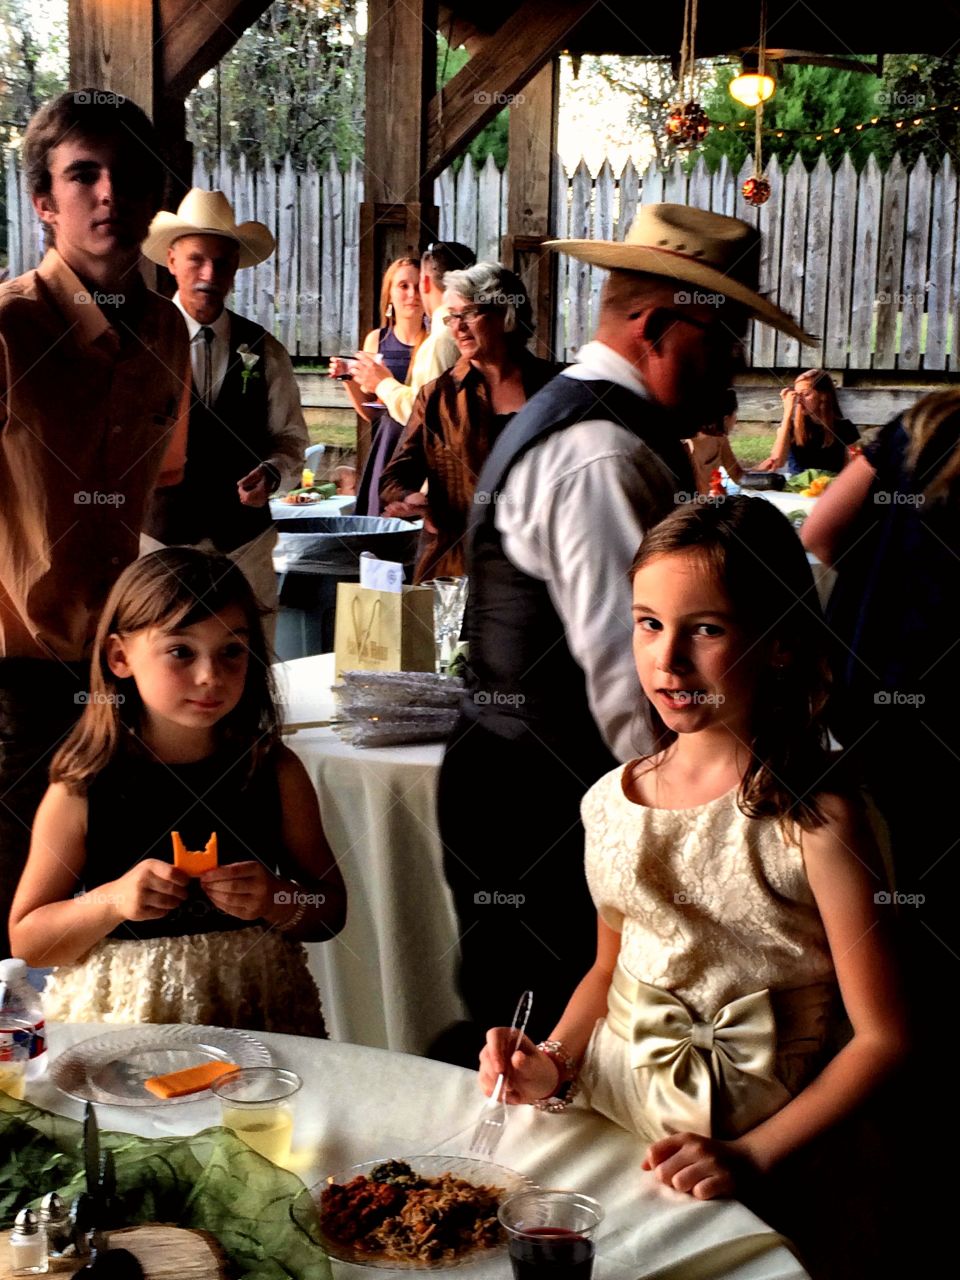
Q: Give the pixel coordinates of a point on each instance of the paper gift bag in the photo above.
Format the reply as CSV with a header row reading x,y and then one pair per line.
x,y
384,630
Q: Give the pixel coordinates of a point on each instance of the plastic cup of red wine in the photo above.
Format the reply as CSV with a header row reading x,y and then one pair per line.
x,y
550,1234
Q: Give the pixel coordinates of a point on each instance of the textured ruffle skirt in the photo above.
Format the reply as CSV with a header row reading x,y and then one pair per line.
x,y
253,979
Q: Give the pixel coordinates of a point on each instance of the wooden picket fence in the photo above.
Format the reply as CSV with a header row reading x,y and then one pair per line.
x,y
867,261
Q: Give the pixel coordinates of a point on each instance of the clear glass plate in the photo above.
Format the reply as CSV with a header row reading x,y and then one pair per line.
x,y
111,1068
479,1172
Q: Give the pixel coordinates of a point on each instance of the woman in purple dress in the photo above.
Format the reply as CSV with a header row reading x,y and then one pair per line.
x,y
396,341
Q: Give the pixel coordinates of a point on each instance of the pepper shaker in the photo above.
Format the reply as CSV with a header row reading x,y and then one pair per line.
x,y
55,1219
28,1245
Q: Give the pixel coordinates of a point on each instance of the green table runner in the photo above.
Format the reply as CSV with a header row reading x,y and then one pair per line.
x,y
263,1217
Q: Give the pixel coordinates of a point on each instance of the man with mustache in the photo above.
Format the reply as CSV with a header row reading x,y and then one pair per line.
x,y
93,414
247,430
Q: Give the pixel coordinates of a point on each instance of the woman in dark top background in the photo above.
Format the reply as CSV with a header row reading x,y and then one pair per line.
x,y
813,434
401,332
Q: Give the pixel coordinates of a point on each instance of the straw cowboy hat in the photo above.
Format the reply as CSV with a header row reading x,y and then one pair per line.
x,y
207,213
716,253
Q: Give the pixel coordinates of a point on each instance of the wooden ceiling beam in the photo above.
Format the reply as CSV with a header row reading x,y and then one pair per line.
x,y
501,65
195,35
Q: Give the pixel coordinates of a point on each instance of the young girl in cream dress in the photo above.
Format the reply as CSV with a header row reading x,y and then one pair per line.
x,y
731,878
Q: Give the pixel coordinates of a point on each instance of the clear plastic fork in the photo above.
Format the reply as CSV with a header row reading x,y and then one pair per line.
x,y
493,1117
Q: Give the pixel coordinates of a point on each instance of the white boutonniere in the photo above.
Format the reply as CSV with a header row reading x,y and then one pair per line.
x,y
249,359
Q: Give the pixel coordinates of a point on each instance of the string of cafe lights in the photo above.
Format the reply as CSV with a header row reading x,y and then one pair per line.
x,y
907,121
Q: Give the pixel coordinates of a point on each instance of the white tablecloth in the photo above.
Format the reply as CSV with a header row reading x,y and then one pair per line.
x,y
389,979
339,505
361,1104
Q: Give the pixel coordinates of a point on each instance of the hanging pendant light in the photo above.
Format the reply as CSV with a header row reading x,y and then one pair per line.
x,y
753,85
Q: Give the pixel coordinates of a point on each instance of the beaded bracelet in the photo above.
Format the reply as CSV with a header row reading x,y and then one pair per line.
x,y
297,915
566,1077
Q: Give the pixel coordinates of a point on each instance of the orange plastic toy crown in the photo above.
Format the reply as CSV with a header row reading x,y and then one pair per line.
x,y
194,863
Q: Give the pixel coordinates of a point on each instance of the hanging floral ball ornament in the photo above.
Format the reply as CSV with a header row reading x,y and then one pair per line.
x,y
686,126
756,190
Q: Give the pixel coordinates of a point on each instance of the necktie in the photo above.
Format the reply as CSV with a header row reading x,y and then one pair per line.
x,y
207,334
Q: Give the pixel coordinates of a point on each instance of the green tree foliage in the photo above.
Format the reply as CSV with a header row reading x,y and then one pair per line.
x,y
820,99
912,83
492,138
33,58
812,99
293,84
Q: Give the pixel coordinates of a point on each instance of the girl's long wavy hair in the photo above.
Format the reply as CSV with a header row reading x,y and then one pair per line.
x,y
933,456
816,428
386,307
168,590
756,556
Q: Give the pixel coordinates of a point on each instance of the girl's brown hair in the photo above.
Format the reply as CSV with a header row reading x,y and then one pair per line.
x,y
755,554
933,456
386,312
817,429
169,590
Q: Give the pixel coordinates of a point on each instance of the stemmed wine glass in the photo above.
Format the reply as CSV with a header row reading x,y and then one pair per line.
x,y
449,601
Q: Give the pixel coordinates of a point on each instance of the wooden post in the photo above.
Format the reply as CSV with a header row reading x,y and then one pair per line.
x,y
530,216
398,215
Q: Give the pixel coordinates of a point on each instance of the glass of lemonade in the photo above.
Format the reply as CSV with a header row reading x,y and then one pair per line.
x,y
257,1104
14,1055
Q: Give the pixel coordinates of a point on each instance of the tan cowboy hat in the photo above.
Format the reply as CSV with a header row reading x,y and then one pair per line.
x,y
207,213
716,253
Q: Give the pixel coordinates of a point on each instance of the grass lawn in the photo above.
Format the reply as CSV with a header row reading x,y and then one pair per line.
x,y
337,429
751,445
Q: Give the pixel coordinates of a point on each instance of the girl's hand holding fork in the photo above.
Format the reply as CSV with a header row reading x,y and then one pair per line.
x,y
530,1073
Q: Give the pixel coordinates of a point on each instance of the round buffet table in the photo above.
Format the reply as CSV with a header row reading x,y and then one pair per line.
x,y
361,1104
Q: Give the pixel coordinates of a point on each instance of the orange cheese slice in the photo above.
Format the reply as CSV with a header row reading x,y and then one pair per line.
x,y
194,863
190,1080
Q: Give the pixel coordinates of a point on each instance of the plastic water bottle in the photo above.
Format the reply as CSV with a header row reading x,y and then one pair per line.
x,y
21,1016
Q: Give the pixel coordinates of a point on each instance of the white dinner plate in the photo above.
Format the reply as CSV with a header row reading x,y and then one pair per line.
x,y
480,1173
111,1068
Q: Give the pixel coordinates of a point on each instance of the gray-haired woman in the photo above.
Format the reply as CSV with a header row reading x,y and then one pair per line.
x,y
456,419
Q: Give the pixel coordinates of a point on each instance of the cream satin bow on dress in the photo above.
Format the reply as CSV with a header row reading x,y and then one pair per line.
x,y
715,1077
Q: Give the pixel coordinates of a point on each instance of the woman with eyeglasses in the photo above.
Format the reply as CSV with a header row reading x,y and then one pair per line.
x,y
457,418
814,434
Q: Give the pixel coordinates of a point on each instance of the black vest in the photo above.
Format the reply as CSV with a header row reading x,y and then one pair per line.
x,y
522,674
224,444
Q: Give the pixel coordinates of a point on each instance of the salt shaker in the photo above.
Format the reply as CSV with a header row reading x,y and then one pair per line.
x,y
55,1219
28,1245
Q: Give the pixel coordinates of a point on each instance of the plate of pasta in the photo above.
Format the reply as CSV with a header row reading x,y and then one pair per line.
x,y
430,1212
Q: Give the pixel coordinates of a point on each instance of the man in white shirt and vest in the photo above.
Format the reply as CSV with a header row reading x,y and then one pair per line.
x,y
247,431
561,506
